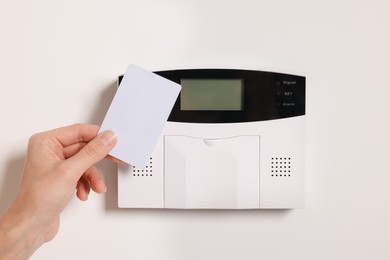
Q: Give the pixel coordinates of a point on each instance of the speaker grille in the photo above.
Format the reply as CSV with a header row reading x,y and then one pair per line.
x,y
281,166
147,172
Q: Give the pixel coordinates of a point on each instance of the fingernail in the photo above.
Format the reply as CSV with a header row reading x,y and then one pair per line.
x,y
104,188
108,137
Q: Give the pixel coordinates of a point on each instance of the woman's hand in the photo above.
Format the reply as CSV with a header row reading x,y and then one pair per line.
x,y
58,162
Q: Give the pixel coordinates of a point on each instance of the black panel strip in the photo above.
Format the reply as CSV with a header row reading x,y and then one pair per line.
x,y
267,96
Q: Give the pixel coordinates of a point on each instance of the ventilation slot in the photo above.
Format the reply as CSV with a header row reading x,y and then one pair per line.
x,y
281,167
147,172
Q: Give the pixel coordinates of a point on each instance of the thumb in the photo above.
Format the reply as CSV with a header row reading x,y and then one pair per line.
x,y
93,152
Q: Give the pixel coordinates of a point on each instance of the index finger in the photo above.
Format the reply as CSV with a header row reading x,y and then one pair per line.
x,y
73,134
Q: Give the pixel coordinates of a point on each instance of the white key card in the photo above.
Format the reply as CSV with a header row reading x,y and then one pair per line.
x,y
138,113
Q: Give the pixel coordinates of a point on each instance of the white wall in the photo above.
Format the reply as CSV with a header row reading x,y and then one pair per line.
x,y
58,64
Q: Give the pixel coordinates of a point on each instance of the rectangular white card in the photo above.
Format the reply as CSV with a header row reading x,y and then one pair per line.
x,y
138,113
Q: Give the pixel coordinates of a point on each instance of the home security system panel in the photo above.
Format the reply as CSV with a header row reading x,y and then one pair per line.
x,y
235,139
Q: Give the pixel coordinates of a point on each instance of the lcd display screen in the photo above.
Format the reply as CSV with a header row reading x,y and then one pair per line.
x,y
211,94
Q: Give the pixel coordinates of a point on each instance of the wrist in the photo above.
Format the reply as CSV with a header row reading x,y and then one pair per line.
x,y
19,236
